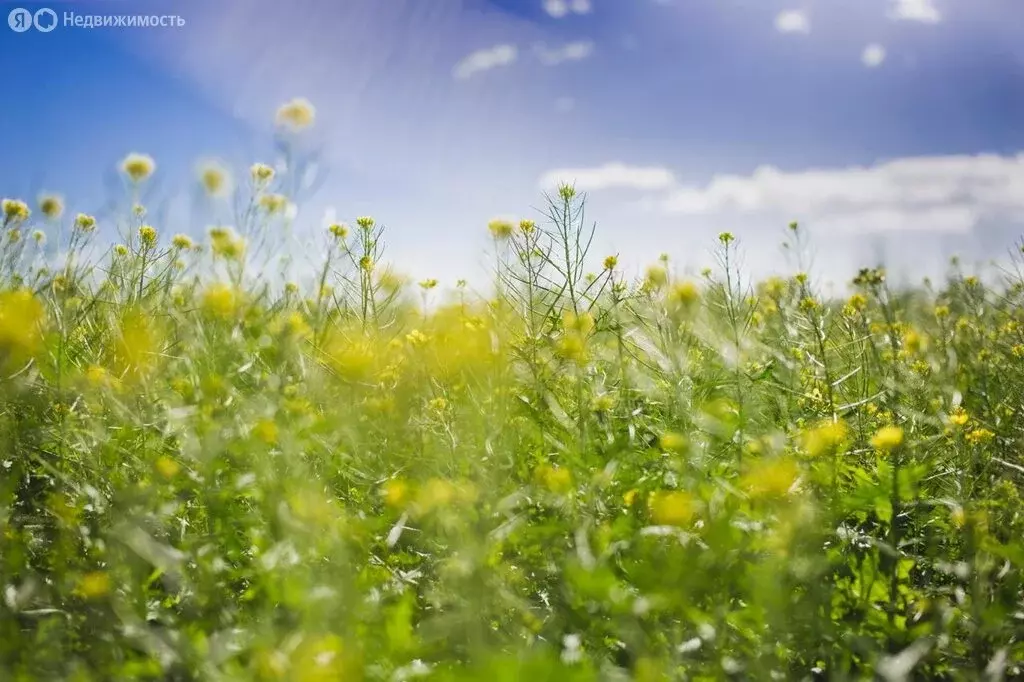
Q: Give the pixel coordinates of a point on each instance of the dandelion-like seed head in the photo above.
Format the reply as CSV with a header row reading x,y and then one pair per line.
x,y
500,228
297,114
51,206
138,167
15,211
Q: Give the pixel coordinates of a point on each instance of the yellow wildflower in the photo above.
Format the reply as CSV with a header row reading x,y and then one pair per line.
x,y
958,417
15,211
683,295
887,439
261,174
771,477
182,242
147,233
138,343
296,114
671,508
215,178
21,317
273,204
582,323
556,479
51,206
979,436
824,437
167,467
219,300
500,228
656,276
395,492
226,244
672,441
93,585
266,431
138,167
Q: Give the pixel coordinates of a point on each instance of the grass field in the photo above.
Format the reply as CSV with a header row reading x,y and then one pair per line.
x,y
577,476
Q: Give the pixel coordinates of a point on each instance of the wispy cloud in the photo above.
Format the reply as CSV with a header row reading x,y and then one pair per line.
x,y
873,55
792,21
570,52
561,8
485,60
937,193
612,175
923,11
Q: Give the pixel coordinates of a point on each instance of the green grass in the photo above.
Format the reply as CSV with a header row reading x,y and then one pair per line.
x,y
578,477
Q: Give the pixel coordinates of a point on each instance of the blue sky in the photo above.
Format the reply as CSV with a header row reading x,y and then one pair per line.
x,y
888,127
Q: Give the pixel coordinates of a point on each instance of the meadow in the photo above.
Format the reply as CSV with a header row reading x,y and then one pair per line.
x,y
576,475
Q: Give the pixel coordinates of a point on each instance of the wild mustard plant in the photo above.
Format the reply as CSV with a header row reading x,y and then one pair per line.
x,y
572,476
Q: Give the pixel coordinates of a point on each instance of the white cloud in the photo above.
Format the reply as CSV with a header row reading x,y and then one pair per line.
x,y
937,193
561,8
556,8
792,21
923,11
581,6
570,52
610,176
873,55
485,60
